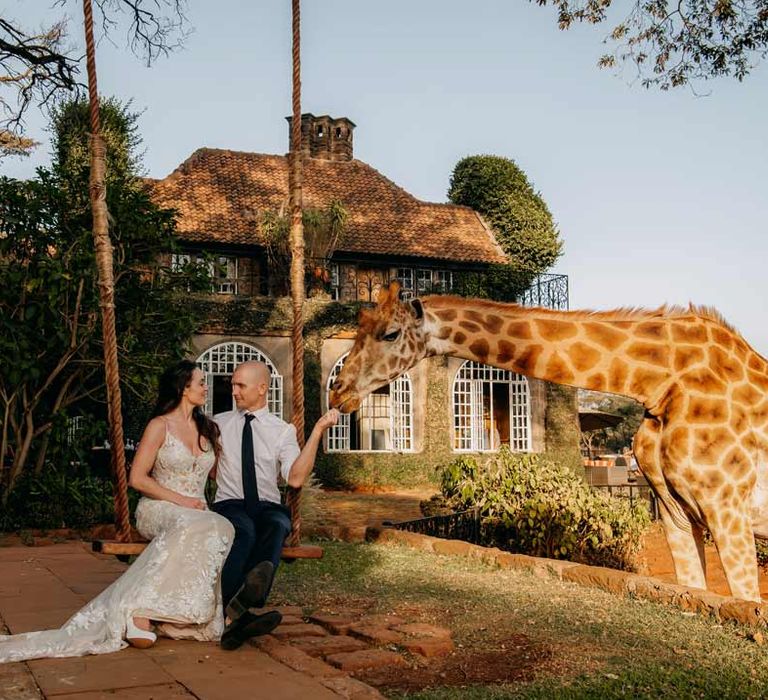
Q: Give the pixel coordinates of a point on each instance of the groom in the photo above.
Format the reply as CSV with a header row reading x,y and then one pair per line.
x,y
256,447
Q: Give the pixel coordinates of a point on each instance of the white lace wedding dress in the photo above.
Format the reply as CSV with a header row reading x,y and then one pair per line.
x,y
176,580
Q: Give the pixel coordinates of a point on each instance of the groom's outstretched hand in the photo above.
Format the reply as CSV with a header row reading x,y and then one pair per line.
x,y
327,420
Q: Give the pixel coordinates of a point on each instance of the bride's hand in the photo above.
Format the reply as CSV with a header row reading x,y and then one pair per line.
x,y
189,502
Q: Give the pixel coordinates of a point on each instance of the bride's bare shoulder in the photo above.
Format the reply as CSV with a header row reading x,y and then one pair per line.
x,y
155,430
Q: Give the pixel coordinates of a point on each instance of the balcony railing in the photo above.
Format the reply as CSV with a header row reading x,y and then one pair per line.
x,y
549,291
355,282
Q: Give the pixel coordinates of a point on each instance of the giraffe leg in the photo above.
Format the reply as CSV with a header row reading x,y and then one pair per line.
x,y
684,536
735,541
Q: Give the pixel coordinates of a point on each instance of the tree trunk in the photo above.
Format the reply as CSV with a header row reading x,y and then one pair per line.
x,y
106,283
297,262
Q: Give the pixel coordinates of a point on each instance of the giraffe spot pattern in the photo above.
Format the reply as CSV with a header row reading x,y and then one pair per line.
x,y
519,330
722,338
583,357
618,371
604,335
558,371
686,356
704,381
652,330
469,326
676,444
708,443
459,337
739,420
709,411
694,334
597,382
472,315
648,352
505,351
554,331
529,358
445,332
446,314
759,380
493,323
480,349
724,365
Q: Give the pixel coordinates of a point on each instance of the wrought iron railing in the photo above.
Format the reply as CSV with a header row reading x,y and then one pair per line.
x,y
549,291
456,526
634,492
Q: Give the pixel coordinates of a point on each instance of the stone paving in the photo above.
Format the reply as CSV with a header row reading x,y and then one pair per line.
x,y
40,587
306,656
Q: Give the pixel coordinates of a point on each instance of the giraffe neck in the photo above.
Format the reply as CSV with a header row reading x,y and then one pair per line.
x,y
629,357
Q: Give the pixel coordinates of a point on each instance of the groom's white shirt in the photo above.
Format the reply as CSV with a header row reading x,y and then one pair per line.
x,y
274,446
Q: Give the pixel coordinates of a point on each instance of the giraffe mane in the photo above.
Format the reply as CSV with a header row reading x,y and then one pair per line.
x,y
622,313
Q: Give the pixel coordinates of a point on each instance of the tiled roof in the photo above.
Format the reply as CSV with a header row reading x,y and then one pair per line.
x,y
220,196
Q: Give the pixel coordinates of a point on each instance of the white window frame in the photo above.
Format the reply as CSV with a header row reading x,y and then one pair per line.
x,y
469,434
423,281
179,261
224,284
404,276
221,360
338,438
442,280
335,282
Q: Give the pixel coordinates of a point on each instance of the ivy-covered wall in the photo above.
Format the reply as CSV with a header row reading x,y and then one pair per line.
x,y
266,323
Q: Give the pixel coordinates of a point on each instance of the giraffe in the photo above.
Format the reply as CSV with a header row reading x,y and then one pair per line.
x,y
703,443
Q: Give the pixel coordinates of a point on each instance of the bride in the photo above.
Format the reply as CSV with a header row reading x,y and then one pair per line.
x,y
174,586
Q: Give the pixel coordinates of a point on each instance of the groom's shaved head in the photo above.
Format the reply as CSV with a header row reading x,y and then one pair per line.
x,y
250,385
256,371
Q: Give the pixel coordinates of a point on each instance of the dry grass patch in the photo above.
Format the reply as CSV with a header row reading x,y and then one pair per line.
x,y
521,636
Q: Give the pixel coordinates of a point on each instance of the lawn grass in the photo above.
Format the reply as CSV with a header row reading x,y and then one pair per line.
x,y
597,645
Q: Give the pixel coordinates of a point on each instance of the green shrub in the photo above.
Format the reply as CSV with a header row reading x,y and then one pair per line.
x,y
71,497
533,506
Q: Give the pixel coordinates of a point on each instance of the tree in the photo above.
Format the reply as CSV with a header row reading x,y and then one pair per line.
x,y
37,67
14,145
323,230
49,301
618,438
673,44
499,190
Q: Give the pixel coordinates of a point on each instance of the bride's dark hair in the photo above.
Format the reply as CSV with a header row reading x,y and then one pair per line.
x,y
169,392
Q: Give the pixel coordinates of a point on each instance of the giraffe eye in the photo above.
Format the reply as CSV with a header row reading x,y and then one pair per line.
x,y
389,337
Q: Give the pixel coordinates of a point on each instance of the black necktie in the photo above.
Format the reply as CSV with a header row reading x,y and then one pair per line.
x,y
250,487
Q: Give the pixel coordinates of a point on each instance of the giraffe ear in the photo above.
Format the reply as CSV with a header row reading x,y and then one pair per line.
x,y
417,309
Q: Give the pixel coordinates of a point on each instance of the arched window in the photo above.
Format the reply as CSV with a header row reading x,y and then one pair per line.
x,y
383,423
491,408
220,361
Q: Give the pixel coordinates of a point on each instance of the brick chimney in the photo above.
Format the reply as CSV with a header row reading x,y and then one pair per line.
x,y
324,137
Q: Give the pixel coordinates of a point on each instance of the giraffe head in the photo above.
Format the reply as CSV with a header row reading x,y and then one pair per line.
x,y
390,340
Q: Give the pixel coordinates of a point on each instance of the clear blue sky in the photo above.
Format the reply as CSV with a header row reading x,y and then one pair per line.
x,y
660,197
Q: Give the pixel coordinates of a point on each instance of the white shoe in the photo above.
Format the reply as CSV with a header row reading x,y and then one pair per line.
x,y
139,638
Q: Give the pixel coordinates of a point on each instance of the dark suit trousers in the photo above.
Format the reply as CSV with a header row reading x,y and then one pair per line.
x,y
257,539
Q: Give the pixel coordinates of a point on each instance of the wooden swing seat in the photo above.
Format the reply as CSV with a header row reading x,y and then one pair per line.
x,y
127,549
